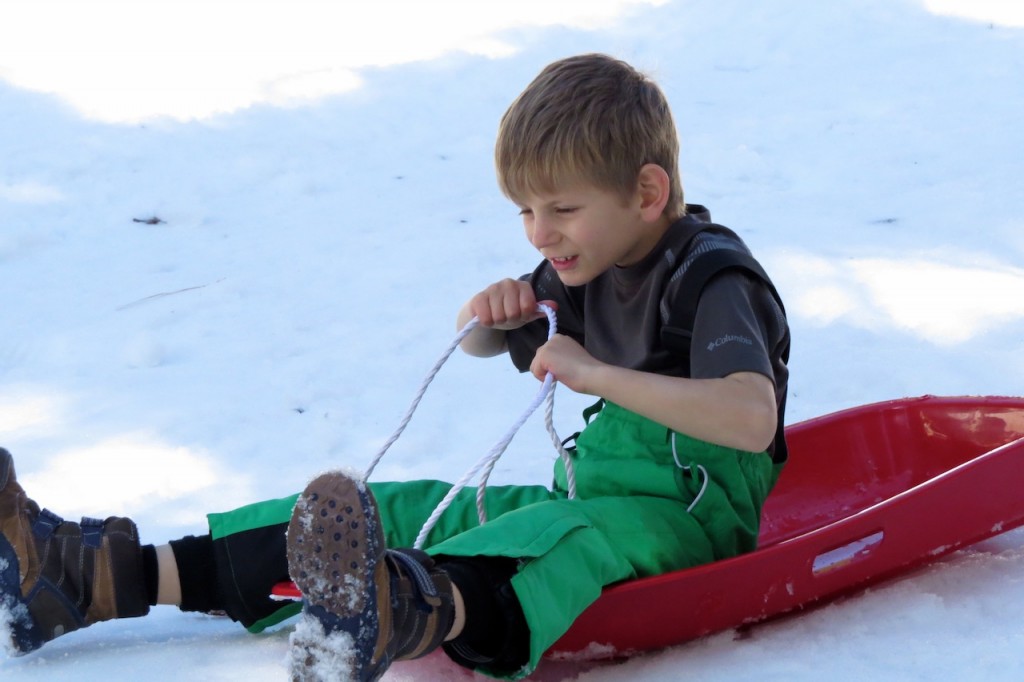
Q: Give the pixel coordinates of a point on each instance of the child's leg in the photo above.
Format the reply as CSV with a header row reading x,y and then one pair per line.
x,y
376,604
231,570
649,503
247,553
565,553
57,576
551,559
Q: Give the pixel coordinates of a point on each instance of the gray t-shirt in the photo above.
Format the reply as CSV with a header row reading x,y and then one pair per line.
x,y
618,316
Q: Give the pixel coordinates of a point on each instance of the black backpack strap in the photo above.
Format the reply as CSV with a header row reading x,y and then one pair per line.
x,y
677,330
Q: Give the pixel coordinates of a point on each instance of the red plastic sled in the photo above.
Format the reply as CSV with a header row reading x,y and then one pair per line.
x,y
868,493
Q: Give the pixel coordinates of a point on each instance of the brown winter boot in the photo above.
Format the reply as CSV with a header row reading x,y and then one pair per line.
x,y
57,576
365,605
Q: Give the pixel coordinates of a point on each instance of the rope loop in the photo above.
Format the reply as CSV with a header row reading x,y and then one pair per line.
x,y
485,465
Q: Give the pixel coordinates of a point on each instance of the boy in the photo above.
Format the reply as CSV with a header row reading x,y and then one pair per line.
x,y
662,314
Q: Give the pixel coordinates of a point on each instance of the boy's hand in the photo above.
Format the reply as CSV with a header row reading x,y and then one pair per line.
x,y
567,360
508,304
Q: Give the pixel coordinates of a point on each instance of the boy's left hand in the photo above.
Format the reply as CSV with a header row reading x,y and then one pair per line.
x,y
567,360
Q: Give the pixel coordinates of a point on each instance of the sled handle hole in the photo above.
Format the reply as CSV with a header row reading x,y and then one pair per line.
x,y
847,554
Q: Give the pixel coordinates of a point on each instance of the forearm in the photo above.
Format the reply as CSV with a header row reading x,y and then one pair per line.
x,y
737,411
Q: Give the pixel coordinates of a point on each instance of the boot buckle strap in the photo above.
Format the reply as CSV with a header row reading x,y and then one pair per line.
x,y
45,524
420,577
92,532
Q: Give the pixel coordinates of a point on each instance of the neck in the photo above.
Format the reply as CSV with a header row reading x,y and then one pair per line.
x,y
649,236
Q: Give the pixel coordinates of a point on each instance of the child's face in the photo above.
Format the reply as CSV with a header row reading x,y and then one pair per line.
x,y
583,231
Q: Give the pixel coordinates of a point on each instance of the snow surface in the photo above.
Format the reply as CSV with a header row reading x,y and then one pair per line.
x,y
234,237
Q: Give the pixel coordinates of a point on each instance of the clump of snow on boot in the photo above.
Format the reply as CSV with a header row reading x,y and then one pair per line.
x,y
11,612
7,620
6,633
315,656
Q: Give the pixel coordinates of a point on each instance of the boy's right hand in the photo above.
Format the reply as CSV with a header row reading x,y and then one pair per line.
x,y
508,304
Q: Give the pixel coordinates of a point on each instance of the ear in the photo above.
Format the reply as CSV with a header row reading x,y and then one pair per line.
x,y
653,188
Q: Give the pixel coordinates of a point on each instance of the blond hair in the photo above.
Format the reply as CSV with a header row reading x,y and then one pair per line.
x,y
592,119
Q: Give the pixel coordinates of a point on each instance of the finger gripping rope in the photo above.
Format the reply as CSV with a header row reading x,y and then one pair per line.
x,y
487,462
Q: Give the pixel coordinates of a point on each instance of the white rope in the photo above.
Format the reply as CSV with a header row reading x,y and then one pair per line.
x,y
463,333
487,462
570,471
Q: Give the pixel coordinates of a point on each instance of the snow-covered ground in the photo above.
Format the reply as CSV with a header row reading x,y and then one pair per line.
x,y
234,237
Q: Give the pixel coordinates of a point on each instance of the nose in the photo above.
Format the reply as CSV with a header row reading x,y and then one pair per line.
x,y
541,233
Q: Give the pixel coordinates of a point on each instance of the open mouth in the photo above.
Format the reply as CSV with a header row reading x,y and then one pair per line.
x,y
563,262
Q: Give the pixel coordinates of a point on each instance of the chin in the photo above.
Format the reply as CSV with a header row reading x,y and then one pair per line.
x,y
575,279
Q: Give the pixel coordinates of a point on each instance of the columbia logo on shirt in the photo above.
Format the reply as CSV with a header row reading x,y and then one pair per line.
x,y
729,338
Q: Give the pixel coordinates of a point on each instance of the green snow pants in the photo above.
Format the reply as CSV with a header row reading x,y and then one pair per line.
x,y
647,501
